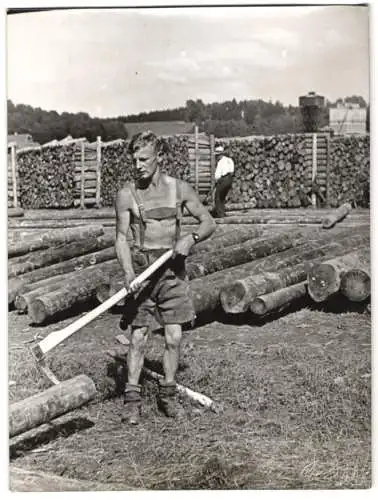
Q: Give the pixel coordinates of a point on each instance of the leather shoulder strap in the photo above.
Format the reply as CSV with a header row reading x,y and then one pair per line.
x,y
178,210
142,213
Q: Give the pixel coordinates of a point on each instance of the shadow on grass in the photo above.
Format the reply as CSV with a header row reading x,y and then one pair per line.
x,y
117,370
46,433
337,304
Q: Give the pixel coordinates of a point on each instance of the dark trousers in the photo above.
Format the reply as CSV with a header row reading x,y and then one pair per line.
x,y
222,188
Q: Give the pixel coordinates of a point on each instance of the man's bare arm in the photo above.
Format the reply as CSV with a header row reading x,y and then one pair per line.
x,y
122,226
207,224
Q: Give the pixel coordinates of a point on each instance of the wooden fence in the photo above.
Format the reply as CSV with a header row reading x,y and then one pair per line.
x,y
88,174
202,162
317,158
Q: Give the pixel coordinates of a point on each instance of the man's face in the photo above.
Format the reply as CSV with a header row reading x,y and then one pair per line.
x,y
144,162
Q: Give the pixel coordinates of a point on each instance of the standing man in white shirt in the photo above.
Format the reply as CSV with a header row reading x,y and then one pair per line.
x,y
224,174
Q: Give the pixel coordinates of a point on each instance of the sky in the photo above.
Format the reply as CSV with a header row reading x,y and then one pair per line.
x,y
117,62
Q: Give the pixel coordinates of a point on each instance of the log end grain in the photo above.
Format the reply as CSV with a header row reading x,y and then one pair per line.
x,y
103,292
37,311
322,281
21,304
259,307
232,298
356,285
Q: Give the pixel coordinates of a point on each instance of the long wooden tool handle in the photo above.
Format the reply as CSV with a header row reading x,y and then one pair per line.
x,y
55,338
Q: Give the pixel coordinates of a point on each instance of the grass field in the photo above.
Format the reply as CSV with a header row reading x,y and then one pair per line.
x,y
294,396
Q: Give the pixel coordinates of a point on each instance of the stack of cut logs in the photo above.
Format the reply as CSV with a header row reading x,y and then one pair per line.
x,y
249,267
271,172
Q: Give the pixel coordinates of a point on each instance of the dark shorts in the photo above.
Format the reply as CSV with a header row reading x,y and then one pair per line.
x,y
164,299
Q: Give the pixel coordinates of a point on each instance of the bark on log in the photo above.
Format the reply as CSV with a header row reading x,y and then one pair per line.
x,y
55,401
64,425
23,282
237,297
70,214
324,279
15,212
34,290
76,290
43,258
337,216
219,241
246,219
48,239
205,291
279,299
356,284
240,254
56,224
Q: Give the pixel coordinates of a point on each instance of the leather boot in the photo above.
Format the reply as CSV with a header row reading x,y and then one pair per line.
x,y
133,401
167,400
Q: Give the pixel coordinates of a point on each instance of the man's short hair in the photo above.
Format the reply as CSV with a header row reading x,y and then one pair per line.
x,y
141,140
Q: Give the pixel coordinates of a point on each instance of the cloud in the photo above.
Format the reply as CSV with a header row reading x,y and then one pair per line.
x,y
127,61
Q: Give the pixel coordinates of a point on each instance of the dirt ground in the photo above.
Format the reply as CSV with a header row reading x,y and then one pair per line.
x,y
294,396
294,390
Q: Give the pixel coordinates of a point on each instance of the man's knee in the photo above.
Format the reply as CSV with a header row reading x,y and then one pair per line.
x,y
173,335
139,337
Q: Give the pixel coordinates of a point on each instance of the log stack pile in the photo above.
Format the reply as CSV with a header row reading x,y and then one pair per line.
x,y
319,271
42,262
117,168
271,172
46,176
278,171
349,176
246,267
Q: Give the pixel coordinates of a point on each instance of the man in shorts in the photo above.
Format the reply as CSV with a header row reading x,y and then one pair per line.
x,y
152,208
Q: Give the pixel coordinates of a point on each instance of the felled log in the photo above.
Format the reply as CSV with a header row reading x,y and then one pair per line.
x,y
239,236
75,290
262,219
240,254
62,426
205,291
236,297
22,283
53,402
43,258
15,212
337,216
324,279
55,224
47,239
279,299
34,290
356,284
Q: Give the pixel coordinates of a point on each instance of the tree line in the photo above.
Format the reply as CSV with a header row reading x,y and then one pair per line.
x,y
223,119
44,126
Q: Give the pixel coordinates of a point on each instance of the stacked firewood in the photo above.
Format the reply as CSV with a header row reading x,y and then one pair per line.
x,y
117,168
46,177
270,172
349,177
